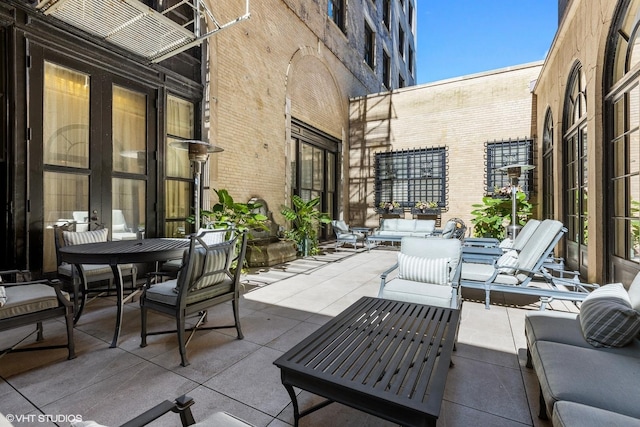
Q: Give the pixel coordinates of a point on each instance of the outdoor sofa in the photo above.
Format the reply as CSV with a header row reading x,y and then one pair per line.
x,y
588,364
394,229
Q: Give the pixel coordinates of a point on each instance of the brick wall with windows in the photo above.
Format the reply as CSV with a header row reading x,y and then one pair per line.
x,y
459,114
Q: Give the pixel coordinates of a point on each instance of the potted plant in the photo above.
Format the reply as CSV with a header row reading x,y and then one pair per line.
x,y
388,207
492,216
426,207
305,221
242,216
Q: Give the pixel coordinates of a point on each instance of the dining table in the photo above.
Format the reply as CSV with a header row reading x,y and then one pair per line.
x,y
115,253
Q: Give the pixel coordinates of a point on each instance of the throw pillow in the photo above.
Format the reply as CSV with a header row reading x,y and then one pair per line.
x,y
508,262
75,238
607,318
3,296
427,270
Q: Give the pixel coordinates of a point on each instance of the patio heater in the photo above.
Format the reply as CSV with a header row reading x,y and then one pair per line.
x,y
198,154
514,171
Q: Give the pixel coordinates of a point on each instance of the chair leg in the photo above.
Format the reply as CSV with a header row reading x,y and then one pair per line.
x,y
181,343
143,326
40,336
236,316
70,342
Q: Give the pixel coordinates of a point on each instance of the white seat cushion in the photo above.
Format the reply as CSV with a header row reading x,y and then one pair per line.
x,y
417,292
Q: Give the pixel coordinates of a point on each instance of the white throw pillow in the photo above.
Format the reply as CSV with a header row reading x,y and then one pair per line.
x,y
427,270
508,262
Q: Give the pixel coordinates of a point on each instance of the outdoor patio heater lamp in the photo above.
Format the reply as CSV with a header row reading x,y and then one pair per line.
x,y
198,154
514,171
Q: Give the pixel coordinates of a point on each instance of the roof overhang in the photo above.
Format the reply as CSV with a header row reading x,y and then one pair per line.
x,y
138,28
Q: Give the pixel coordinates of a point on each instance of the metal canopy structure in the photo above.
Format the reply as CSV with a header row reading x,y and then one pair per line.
x,y
138,28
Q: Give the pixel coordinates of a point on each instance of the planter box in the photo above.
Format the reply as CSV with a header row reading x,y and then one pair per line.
x,y
428,211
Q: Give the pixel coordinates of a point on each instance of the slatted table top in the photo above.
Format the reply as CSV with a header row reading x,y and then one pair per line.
x,y
387,358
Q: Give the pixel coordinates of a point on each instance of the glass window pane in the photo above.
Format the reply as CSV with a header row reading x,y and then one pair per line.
x,y
306,167
318,169
178,202
65,124
129,206
66,199
180,117
129,130
177,164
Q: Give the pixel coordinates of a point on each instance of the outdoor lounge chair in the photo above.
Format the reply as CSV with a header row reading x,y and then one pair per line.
x,y
482,248
31,303
204,280
428,272
344,234
514,271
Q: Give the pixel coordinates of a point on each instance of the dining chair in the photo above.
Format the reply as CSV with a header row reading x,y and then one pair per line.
x,y
94,274
31,303
210,275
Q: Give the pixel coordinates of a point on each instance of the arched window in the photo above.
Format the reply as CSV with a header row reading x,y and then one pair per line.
x,y
575,169
622,110
547,167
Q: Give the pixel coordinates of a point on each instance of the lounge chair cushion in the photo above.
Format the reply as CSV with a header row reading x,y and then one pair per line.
x,y
426,270
26,299
607,318
483,272
78,238
508,262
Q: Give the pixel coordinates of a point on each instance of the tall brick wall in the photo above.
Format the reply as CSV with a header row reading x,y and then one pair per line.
x,y
459,114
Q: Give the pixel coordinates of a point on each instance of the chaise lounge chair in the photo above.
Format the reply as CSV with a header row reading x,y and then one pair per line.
x,y
514,271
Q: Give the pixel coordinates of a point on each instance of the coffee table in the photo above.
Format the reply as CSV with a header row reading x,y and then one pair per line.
x,y
387,358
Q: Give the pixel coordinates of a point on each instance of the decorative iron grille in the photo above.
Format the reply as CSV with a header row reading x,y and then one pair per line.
x,y
503,153
409,176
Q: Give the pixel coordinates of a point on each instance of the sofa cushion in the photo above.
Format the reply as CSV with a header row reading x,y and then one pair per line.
x,y
607,318
389,224
587,375
571,414
406,225
426,226
426,270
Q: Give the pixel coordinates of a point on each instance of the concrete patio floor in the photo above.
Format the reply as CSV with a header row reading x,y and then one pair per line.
x,y
488,386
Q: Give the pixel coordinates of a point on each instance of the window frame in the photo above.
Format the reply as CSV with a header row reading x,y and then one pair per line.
x,y
336,12
369,45
496,179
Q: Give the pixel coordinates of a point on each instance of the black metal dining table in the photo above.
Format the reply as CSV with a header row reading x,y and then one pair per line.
x,y
387,358
119,252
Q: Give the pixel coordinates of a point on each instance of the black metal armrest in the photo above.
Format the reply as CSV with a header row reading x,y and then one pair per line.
x,y
152,277
181,405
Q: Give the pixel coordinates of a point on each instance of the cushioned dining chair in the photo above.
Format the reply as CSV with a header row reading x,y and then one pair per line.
x,y
31,303
345,235
70,276
427,272
210,275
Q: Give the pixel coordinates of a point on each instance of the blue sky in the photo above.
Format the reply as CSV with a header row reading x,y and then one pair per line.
x,y
459,37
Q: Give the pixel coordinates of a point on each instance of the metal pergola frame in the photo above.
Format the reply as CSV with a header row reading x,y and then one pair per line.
x,y
138,28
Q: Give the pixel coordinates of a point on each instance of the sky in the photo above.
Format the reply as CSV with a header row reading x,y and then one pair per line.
x,y
459,37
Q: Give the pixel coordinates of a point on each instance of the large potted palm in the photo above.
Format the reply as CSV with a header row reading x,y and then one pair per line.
x,y
305,220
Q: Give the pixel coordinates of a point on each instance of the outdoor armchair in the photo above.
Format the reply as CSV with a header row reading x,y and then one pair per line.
x,y
210,275
344,234
428,272
93,274
455,228
31,303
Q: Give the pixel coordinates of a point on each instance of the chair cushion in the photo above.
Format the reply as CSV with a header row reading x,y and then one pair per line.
x,y
426,270
406,225
634,293
607,318
508,262
426,226
3,296
572,414
24,299
417,292
75,238
165,292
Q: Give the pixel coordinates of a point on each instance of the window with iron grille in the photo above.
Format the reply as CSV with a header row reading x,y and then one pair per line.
x,y
503,153
369,45
410,176
335,12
